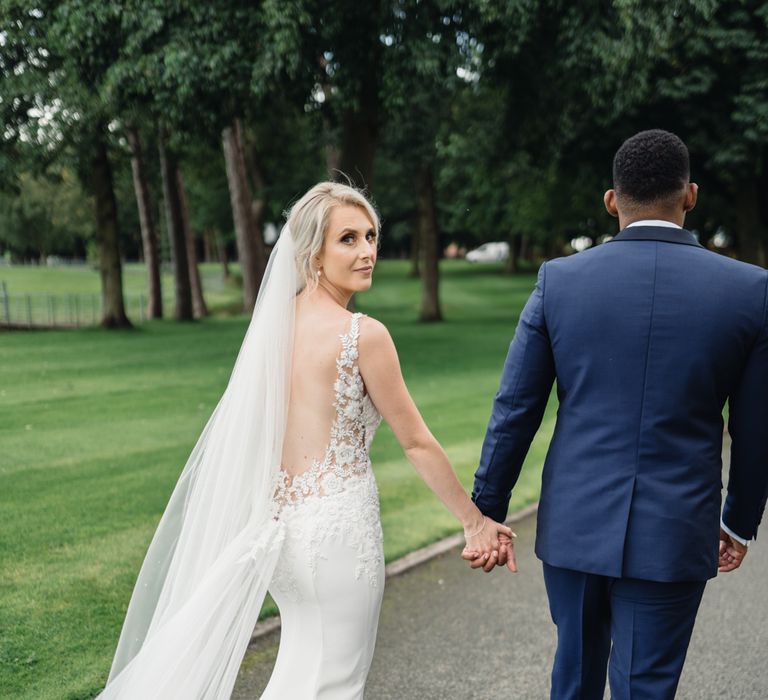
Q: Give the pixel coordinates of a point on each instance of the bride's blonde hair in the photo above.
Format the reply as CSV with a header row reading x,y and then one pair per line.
x,y
308,218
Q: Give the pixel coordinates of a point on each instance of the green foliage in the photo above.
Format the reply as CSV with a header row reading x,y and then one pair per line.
x,y
575,79
188,64
715,76
338,48
707,82
428,43
59,53
47,215
518,106
206,184
289,52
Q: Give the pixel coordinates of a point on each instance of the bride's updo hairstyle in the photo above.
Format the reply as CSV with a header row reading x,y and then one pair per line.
x,y
308,218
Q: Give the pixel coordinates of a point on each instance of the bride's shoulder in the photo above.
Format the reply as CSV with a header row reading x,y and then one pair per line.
x,y
372,329
374,340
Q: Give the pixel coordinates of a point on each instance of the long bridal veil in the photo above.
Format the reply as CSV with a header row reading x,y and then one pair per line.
x,y
205,575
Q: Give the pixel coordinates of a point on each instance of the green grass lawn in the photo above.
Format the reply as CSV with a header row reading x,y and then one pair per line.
x,y
95,427
51,293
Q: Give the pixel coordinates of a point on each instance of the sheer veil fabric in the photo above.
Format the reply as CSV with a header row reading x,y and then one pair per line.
x,y
206,572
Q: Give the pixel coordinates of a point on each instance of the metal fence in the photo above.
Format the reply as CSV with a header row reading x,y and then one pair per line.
x,y
42,310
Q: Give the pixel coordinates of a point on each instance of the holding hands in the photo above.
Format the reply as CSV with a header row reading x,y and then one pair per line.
x,y
491,544
488,545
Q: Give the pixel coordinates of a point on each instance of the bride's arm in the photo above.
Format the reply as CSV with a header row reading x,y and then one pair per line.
x,y
380,370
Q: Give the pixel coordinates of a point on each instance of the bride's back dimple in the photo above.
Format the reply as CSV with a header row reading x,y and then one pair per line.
x,y
311,413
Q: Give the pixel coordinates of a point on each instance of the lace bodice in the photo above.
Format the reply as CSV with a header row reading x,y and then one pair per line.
x,y
351,434
336,499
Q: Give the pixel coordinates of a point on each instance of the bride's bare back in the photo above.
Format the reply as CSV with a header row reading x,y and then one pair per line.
x,y
317,344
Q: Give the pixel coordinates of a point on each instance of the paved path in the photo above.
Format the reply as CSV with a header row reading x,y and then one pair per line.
x,y
449,632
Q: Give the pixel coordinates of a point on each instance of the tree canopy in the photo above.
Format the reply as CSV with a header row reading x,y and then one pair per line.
x,y
467,121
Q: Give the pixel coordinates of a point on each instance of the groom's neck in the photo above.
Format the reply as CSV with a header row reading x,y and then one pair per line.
x,y
627,218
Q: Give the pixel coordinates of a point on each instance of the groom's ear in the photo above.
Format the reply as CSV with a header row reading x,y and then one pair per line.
x,y
691,195
609,199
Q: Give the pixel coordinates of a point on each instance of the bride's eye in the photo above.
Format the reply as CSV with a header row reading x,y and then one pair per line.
x,y
348,238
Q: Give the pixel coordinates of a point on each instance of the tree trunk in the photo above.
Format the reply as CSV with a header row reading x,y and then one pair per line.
x,y
221,246
250,250
360,125
148,230
429,242
524,247
511,264
198,301
175,225
760,188
209,251
554,247
415,270
751,236
358,148
258,200
107,233
332,154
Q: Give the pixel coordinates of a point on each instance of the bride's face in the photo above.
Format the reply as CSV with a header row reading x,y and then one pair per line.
x,y
348,256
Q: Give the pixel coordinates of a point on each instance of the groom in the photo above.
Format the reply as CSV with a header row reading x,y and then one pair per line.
x,y
647,337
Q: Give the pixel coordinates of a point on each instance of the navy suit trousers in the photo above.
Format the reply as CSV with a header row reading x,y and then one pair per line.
x,y
637,630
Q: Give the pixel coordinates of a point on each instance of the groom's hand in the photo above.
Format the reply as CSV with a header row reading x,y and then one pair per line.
x,y
507,553
488,561
732,553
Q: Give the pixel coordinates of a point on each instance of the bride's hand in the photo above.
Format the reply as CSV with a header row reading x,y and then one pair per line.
x,y
488,544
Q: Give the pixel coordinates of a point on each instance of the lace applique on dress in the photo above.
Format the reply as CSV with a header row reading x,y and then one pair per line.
x,y
347,452
337,497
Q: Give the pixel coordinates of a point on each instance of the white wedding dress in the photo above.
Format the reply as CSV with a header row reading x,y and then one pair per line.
x,y
329,578
238,524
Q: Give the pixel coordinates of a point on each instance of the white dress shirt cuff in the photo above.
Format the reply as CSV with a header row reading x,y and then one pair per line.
x,y
733,534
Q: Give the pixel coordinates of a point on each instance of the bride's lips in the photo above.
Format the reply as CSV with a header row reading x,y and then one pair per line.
x,y
364,270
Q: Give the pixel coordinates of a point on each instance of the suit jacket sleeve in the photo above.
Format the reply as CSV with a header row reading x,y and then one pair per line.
x,y
518,407
747,425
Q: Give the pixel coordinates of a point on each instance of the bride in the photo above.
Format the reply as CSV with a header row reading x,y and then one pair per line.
x,y
278,493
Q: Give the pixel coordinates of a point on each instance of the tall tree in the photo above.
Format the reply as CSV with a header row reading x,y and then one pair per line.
x,y
427,55
147,223
107,234
250,245
357,73
429,245
710,86
199,306
332,56
175,226
59,53
195,64
576,79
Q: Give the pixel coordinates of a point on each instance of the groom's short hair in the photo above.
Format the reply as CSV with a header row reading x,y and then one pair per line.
x,y
651,166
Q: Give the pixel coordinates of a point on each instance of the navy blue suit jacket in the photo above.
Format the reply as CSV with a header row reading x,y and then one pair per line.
x,y
648,336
